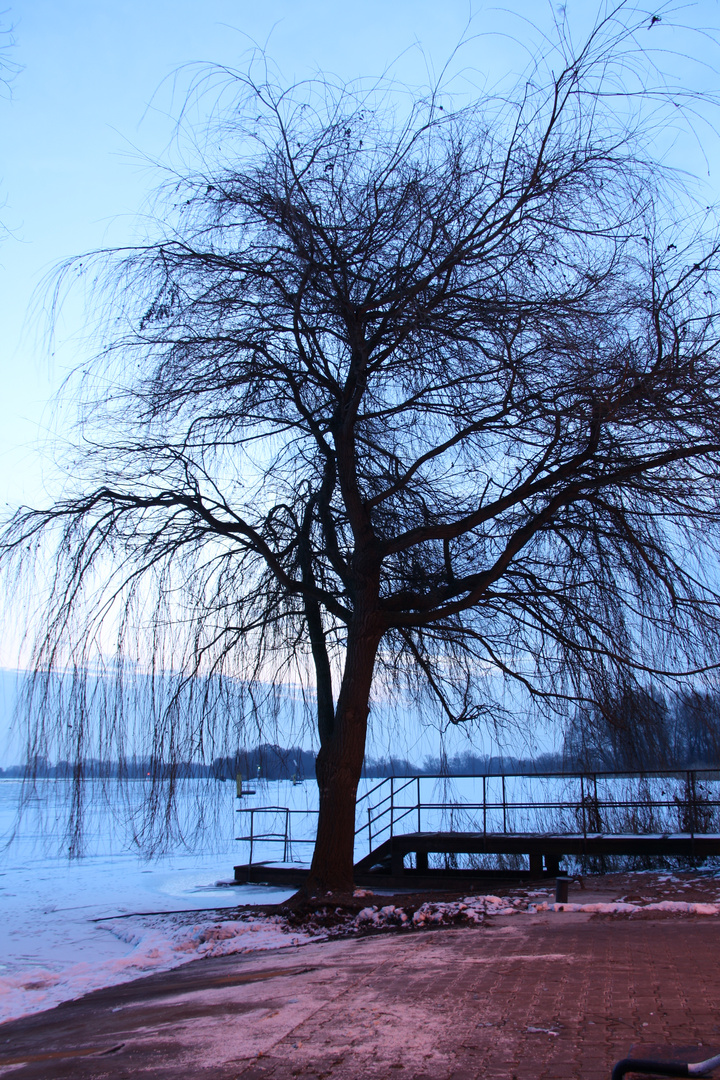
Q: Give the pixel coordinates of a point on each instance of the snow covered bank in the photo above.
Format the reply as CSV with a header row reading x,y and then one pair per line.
x,y
76,952
673,907
119,949
145,945
60,935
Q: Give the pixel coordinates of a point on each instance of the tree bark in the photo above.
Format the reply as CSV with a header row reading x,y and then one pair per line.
x,y
339,764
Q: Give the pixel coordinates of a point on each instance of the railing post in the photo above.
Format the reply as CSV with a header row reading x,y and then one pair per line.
x,y
417,779
504,807
252,821
369,830
287,831
484,779
392,805
693,823
584,808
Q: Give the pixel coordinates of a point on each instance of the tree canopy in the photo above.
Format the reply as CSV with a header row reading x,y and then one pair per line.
x,y
396,390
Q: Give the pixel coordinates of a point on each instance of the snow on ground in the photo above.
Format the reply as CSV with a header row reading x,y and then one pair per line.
x,y
473,909
66,927
123,950
70,927
58,939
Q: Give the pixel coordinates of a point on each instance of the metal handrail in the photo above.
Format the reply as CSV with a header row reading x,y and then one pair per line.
x,y
387,812
589,803
370,791
271,837
565,804
388,780
678,771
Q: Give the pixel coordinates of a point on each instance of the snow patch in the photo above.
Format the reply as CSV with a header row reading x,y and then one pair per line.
x,y
156,943
680,907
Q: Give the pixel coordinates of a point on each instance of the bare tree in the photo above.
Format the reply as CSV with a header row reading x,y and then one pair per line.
x,y
9,67
398,391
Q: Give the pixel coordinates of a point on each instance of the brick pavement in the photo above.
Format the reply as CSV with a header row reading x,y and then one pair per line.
x,y
524,998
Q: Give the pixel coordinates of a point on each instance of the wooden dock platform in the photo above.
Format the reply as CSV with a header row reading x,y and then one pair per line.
x,y
544,850
385,866
439,880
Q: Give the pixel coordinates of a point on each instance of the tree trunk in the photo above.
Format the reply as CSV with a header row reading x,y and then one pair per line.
x,y
339,764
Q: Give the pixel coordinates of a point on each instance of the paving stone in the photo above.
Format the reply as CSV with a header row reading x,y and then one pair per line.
x,y
541,997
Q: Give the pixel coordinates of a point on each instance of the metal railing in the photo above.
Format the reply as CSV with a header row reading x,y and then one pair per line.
x,y
579,803
285,837
590,810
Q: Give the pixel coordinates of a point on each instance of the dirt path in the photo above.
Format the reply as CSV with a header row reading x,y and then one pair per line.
x,y
529,996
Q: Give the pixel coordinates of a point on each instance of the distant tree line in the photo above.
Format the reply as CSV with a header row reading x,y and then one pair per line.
x,y
272,762
635,731
267,760
642,730
468,763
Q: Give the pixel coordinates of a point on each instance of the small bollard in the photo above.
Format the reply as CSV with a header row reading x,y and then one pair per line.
x,y
562,884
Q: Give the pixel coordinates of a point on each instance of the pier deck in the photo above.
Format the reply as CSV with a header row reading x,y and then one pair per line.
x,y
385,865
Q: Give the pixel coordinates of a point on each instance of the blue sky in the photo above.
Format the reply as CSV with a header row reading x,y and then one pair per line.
x,y
95,100
94,104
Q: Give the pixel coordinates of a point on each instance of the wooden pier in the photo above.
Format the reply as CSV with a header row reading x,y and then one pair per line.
x,y
385,866
545,817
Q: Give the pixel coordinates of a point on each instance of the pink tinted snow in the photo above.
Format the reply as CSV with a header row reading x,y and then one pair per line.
x,y
157,944
164,941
